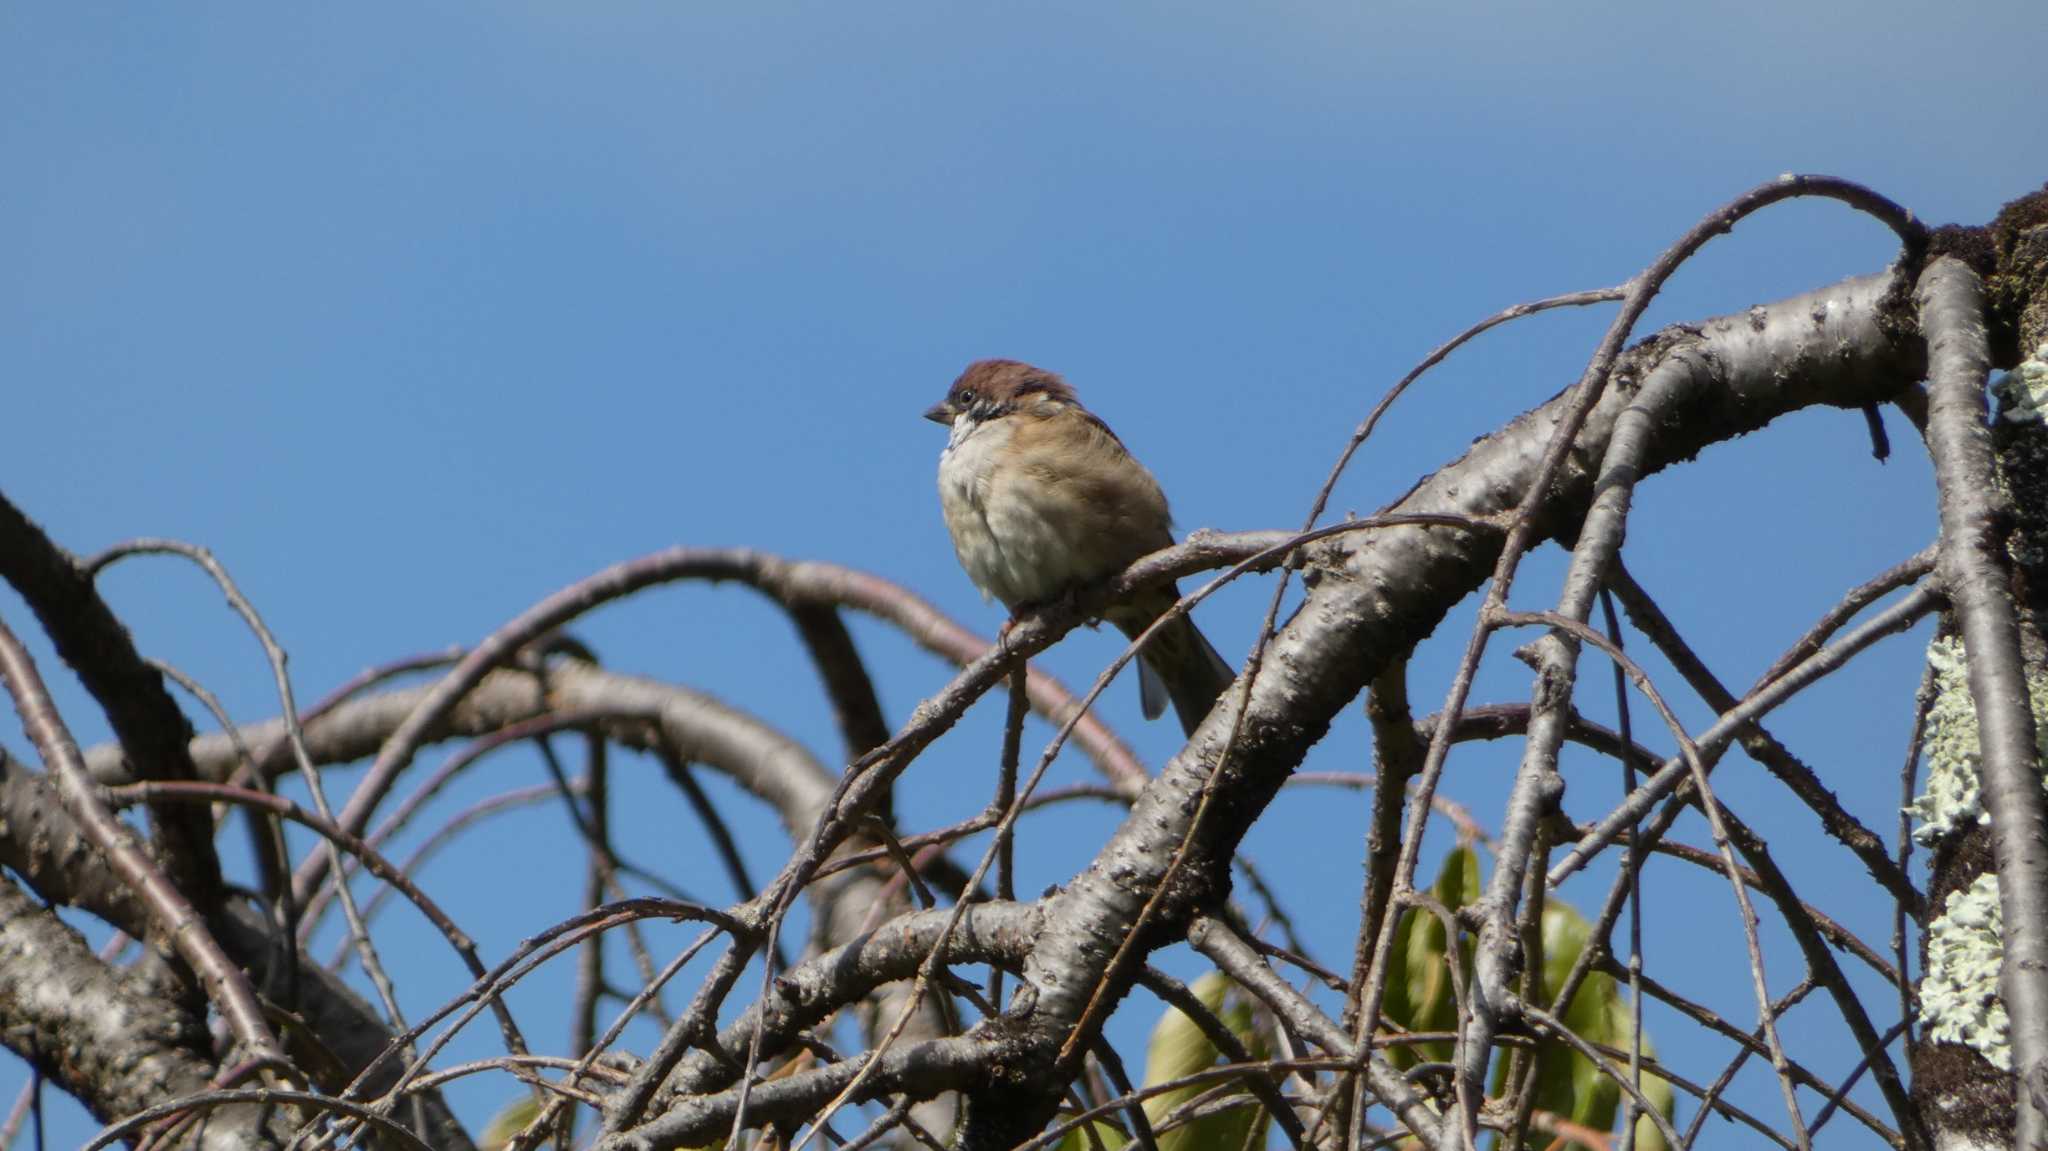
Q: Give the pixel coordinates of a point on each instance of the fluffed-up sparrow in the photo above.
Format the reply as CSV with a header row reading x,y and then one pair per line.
x,y
1042,498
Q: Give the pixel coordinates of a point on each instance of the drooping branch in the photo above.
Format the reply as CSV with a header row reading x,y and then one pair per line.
x,y
1500,955
173,918
647,714
348,731
1975,567
789,583
1371,595
1534,502
101,1035
1759,743
1894,619
994,933
1381,592
145,719
44,844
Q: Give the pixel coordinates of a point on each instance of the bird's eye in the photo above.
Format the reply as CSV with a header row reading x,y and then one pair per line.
x,y
960,399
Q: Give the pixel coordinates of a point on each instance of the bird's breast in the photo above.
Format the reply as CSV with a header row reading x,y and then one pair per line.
x,y
1012,546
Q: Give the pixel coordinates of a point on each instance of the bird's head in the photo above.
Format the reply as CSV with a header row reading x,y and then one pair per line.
x,y
992,388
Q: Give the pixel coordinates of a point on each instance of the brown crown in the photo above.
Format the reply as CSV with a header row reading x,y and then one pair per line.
x,y
1001,381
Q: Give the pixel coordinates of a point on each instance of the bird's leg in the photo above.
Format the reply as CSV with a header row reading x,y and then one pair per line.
x,y
1070,599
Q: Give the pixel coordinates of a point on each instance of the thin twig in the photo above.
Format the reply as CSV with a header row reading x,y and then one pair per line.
x,y
180,922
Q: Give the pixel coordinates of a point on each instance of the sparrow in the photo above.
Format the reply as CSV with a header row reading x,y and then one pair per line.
x,y
1041,498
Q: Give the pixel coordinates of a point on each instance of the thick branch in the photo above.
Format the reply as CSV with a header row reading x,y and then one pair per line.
x,y
1499,958
172,915
40,841
993,933
920,1071
1381,593
138,707
116,1047
1973,562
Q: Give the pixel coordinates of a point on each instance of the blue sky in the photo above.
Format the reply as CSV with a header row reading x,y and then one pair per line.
x,y
414,314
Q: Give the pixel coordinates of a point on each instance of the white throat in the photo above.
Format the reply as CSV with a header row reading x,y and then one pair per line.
x,y
964,425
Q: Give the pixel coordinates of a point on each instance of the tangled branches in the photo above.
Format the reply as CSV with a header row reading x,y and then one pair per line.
x,y
1368,1057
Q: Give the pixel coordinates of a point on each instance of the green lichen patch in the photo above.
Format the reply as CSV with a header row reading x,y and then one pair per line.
x,y
1952,800
1959,1000
2023,392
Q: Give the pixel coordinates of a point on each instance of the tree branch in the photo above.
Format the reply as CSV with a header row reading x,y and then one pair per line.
x,y
117,1047
1973,563
1381,592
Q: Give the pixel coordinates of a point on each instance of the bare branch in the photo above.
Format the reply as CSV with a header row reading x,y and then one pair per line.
x,y
144,718
170,911
1975,567
1759,743
1384,591
1894,619
113,1044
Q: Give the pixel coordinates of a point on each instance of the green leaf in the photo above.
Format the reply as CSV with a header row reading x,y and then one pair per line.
x,y
1658,1092
1567,1083
1178,1049
1109,1137
1419,998
1458,883
1419,988
508,1122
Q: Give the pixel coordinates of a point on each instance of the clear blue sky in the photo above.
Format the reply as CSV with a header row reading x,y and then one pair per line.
x,y
416,313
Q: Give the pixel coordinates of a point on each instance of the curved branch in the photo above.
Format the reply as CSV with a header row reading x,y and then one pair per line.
x,y
1973,562
791,583
1896,618
349,730
1663,394
145,719
994,933
1382,592
170,912
919,1071
45,845
1761,745
1569,417
115,1046
1499,957
374,863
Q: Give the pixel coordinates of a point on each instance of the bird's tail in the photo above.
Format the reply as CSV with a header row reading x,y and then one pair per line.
x,y
1179,664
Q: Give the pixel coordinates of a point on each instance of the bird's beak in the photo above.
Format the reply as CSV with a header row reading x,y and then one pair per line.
x,y
939,413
